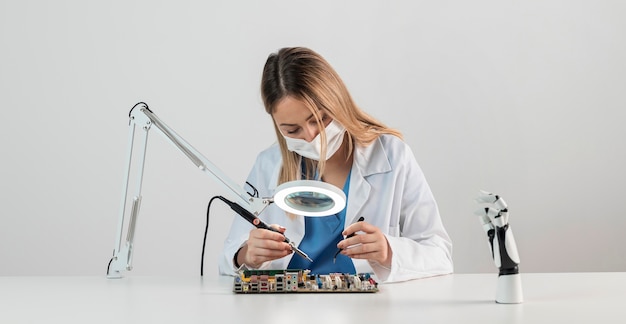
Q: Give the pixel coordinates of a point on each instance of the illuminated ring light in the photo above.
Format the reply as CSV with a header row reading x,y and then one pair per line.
x,y
309,198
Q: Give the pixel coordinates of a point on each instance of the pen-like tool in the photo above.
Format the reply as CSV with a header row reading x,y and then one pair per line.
x,y
258,223
349,236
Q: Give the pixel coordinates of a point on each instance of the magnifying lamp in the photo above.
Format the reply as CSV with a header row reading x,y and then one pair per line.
x,y
303,197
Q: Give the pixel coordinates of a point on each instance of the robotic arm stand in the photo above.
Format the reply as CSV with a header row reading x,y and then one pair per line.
x,y
495,221
143,120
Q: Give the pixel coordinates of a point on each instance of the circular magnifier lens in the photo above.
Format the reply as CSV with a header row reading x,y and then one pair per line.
x,y
309,198
309,201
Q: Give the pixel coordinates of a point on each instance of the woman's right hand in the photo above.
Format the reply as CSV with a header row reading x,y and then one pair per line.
x,y
263,245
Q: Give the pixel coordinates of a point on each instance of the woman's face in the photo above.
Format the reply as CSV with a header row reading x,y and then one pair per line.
x,y
295,120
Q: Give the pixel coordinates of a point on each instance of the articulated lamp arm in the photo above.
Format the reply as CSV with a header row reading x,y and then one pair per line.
x,y
252,204
143,119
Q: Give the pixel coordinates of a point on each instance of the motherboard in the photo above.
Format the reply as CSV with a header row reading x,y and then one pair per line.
x,y
302,281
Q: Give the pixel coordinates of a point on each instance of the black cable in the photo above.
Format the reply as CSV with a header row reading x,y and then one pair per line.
x,y
206,230
109,266
254,194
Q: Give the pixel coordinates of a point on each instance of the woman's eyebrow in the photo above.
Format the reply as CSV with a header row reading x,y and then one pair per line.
x,y
287,124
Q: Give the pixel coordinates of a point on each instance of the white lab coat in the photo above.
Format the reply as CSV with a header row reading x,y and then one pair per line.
x,y
388,188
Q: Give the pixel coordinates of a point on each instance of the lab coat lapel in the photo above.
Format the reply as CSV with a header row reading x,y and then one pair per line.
x,y
368,160
357,196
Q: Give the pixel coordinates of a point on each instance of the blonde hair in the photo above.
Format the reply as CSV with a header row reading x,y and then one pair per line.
x,y
302,74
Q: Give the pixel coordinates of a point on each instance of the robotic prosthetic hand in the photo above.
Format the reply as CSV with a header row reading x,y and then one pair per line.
x,y
495,221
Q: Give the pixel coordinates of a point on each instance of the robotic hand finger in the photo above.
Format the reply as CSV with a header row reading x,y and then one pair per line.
x,y
490,198
497,213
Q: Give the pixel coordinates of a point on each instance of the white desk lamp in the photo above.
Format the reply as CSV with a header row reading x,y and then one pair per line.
x,y
302,197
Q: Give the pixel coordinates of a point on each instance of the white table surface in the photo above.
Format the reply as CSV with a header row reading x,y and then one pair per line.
x,y
458,298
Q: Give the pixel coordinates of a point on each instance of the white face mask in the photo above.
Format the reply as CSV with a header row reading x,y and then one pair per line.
x,y
312,150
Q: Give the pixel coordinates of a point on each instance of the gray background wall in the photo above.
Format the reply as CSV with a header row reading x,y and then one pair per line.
x,y
523,98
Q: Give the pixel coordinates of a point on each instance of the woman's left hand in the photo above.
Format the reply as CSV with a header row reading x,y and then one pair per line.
x,y
370,243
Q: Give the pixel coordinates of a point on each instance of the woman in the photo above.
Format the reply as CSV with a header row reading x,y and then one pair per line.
x,y
323,135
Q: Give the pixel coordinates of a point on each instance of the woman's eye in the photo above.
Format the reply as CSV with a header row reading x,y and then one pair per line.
x,y
292,131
